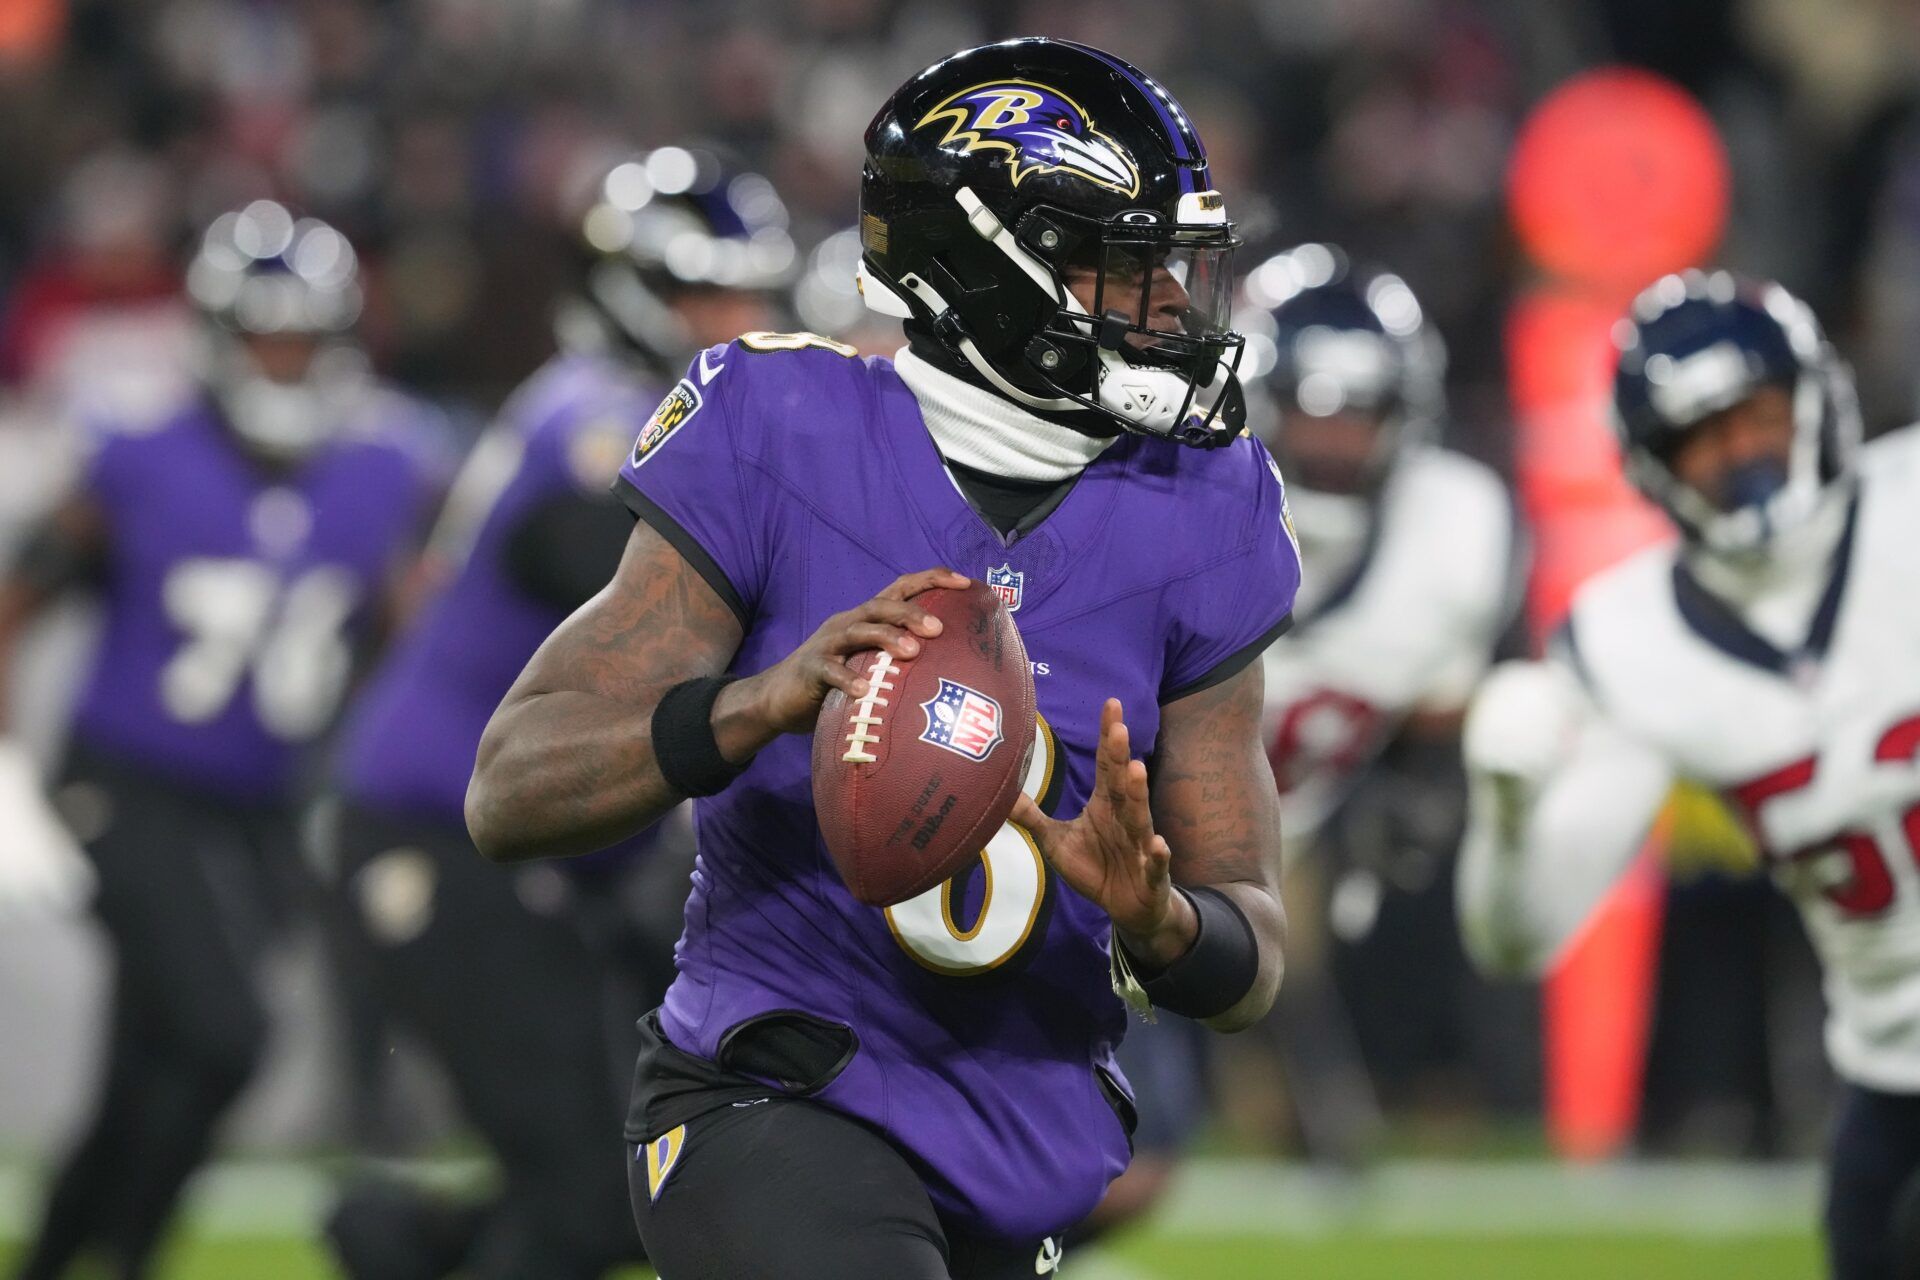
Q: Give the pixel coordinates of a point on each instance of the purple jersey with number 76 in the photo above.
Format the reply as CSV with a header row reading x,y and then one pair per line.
x,y
235,595
799,481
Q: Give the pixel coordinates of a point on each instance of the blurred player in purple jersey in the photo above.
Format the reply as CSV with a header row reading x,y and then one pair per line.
x,y
489,965
929,1090
241,545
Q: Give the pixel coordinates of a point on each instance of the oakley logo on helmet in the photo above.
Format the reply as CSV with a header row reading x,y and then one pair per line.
x,y
1041,130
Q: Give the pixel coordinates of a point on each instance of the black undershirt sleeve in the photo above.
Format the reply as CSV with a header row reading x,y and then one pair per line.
x,y
563,550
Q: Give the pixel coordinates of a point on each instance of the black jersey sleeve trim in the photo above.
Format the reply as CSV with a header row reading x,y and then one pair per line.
x,y
645,508
1231,665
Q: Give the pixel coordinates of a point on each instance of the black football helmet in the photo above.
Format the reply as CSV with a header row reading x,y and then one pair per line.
x,y
262,274
1697,343
1325,337
661,223
995,176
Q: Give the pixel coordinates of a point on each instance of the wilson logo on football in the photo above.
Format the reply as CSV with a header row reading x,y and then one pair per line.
x,y
962,720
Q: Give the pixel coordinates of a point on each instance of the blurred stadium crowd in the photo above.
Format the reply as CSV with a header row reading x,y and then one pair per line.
x,y
448,139
437,134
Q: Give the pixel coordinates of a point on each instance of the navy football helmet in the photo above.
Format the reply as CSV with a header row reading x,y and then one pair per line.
x,y
1325,338
998,175
661,224
1697,343
280,296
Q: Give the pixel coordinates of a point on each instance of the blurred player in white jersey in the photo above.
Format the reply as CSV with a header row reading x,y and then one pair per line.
x,y
1392,528
1408,553
1769,656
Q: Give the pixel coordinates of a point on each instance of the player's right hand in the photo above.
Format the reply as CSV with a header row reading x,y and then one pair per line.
x,y
786,697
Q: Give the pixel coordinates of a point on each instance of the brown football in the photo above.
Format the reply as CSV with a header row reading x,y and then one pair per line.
x,y
910,782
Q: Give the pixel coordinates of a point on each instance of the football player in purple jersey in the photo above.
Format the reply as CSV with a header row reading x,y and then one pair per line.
x,y
241,546
505,972
929,1090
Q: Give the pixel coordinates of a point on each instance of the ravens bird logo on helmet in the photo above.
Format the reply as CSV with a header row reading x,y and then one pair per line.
x,y
1041,129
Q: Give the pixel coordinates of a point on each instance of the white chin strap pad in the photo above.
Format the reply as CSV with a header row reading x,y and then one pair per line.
x,y
1147,396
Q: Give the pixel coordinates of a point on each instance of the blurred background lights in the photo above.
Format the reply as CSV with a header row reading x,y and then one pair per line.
x,y
672,170
628,186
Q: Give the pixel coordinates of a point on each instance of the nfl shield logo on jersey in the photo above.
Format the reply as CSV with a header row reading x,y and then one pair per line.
x,y
964,721
1006,582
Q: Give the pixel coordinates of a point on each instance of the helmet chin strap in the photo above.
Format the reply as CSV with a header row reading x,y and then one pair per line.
x,y
987,225
930,298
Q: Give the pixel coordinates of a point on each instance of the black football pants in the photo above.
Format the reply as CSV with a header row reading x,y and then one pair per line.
x,y
514,1005
789,1190
1873,1187
758,1185
190,891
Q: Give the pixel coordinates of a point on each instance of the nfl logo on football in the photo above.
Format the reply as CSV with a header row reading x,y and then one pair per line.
x,y
1006,582
964,721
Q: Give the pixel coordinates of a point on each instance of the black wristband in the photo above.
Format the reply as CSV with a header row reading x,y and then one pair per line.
x,y
1218,969
683,745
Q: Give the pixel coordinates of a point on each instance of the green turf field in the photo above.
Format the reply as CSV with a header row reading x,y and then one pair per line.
x,y
1448,1258
1226,1219
1149,1257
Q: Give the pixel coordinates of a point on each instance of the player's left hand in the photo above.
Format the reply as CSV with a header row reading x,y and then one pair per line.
x,y
1111,855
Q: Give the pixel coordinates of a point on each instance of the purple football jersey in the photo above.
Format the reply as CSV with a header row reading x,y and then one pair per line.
x,y
800,482
409,739
235,596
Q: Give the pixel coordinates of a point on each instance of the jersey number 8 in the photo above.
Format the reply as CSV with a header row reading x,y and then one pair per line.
x,y
1013,893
